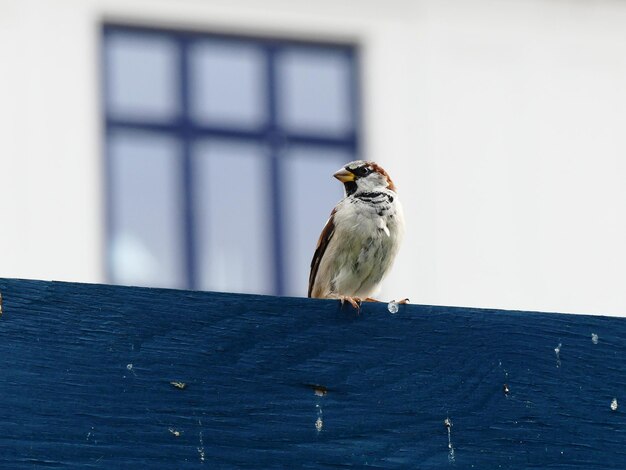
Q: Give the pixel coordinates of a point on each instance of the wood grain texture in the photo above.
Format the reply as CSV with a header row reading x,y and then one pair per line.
x,y
87,369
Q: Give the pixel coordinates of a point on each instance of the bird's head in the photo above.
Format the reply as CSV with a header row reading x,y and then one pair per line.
x,y
361,176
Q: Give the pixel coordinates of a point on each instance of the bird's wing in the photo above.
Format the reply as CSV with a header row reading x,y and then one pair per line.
x,y
322,244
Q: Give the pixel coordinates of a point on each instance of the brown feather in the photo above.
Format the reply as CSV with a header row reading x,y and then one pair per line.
x,y
322,244
380,170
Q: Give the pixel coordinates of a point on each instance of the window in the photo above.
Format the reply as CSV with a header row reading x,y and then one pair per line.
x,y
219,156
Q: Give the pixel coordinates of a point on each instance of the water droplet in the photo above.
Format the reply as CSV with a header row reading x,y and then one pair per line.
x,y
594,338
557,351
319,424
614,404
392,307
129,367
201,444
448,424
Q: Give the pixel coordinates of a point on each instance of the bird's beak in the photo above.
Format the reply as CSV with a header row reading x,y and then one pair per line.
x,y
344,175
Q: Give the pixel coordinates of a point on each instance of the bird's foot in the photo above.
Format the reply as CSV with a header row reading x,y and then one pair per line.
x,y
354,301
370,299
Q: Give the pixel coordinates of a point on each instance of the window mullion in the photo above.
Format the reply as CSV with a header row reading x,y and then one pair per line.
x,y
275,143
187,135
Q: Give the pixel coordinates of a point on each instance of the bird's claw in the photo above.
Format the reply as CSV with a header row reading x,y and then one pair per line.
x,y
354,301
402,302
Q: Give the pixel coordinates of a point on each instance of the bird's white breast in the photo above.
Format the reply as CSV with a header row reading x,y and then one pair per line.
x,y
366,239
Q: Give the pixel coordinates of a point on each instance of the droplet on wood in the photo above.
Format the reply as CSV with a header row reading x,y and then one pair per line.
x,y
392,307
448,424
179,385
594,338
319,424
557,351
614,404
129,366
505,389
201,444
175,432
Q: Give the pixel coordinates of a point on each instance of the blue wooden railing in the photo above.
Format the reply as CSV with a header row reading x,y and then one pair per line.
x,y
117,377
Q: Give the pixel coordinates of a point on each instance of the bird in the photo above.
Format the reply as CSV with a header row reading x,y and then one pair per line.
x,y
360,240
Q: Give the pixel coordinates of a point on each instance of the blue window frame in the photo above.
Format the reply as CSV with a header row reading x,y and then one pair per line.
x,y
219,153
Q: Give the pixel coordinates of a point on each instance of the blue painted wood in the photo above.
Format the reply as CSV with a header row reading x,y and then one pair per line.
x,y
287,383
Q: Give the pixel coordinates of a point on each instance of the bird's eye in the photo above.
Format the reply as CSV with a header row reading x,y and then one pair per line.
x,y
363,171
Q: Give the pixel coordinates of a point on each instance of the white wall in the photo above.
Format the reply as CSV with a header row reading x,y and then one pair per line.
x,y
501,122
515,177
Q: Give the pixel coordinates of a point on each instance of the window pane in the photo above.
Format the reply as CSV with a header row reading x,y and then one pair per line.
x,y
314,91
228,83
146,244
309,197
142,77
233,217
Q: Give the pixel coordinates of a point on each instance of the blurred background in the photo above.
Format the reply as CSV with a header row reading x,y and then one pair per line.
x,y
191,144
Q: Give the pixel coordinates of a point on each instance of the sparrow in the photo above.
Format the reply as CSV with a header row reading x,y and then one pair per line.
x,y
360,239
